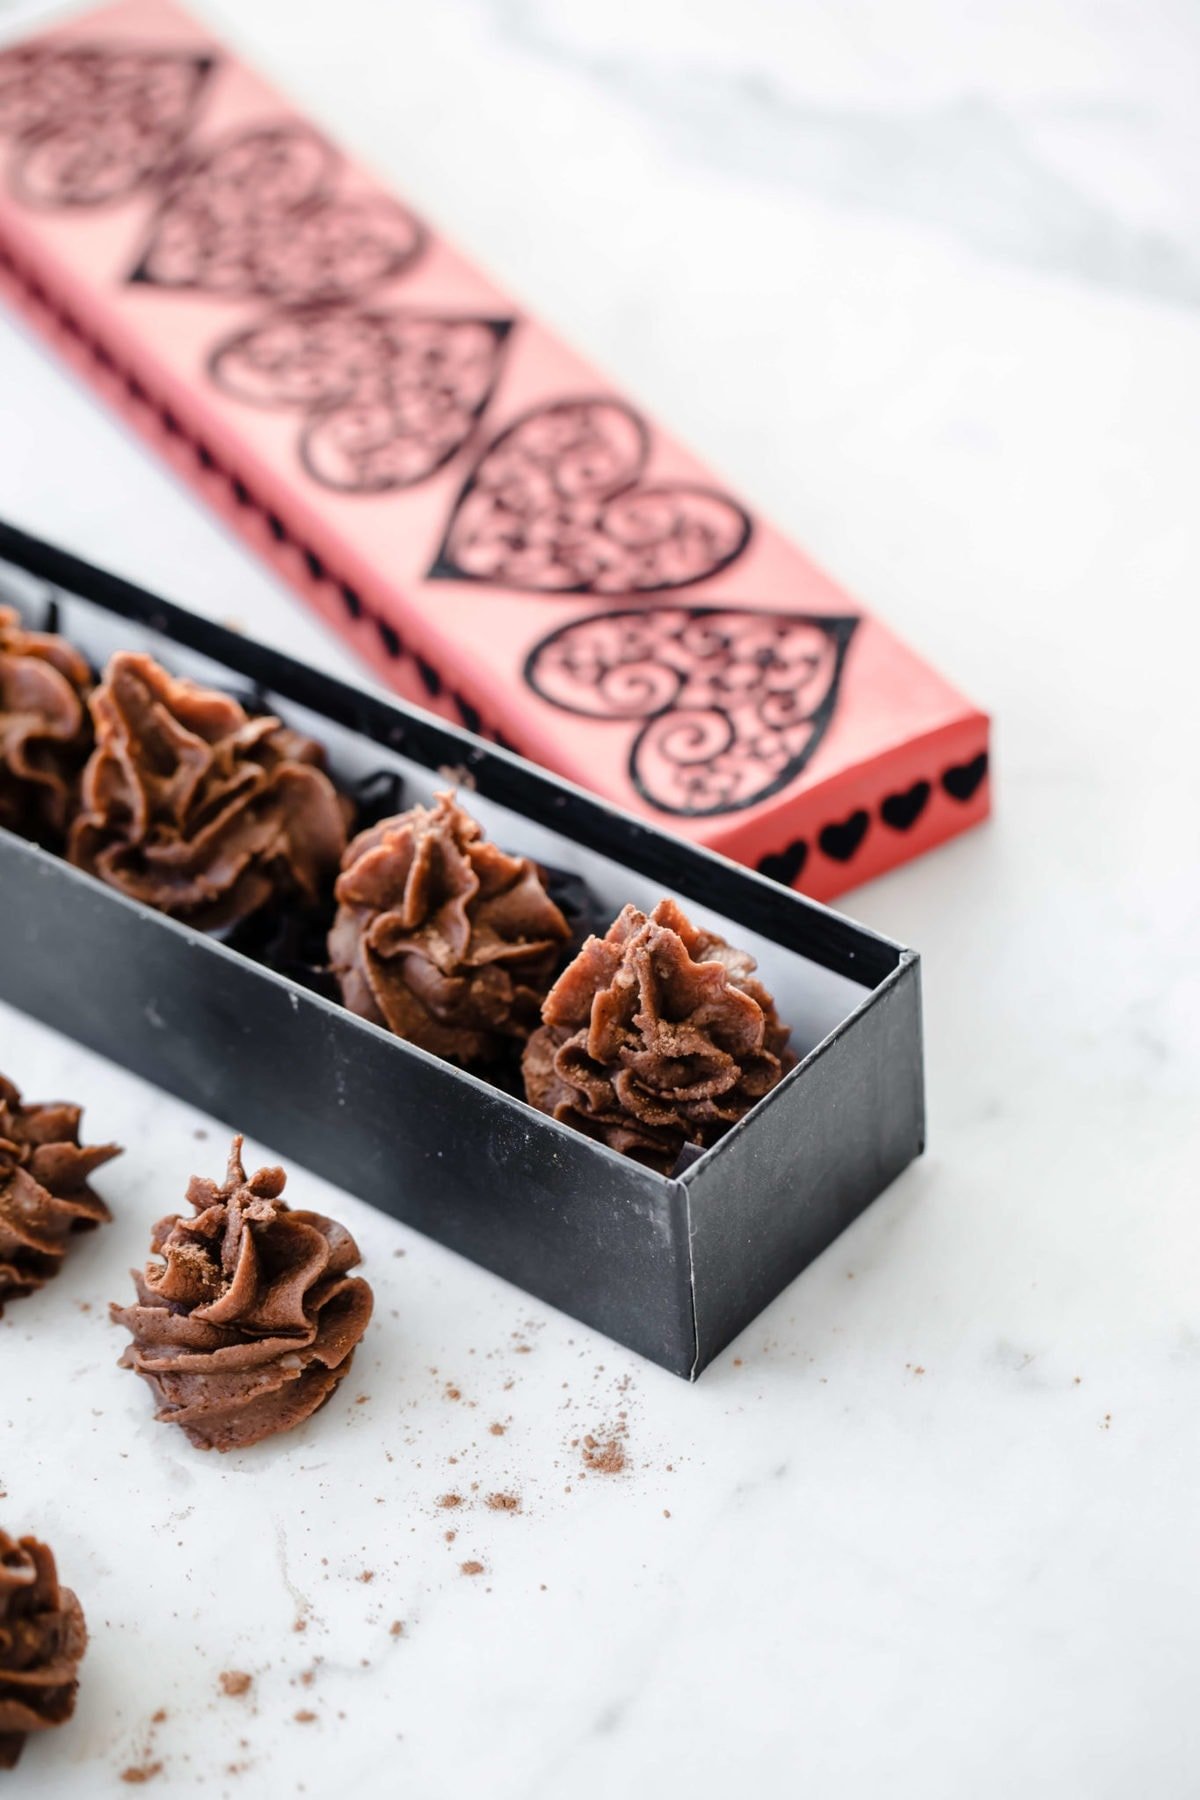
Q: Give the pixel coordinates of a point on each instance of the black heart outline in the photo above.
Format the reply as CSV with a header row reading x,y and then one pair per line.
x,y
316,198
48,128
785,866
901,811
838,630
445,568
962,779
364,383
842,841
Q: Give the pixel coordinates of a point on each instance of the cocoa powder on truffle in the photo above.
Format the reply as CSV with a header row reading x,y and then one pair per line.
x,y
194,806
443,937
249,1318
657,1035
42,1641
45,1196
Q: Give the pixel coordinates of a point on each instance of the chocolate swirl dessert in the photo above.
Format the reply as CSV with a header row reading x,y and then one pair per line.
x,y
44,1191
45,730
194,806
443,937
655,1036
42,1641
249,1318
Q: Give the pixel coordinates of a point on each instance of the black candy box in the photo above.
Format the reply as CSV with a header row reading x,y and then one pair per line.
x,y
672,1266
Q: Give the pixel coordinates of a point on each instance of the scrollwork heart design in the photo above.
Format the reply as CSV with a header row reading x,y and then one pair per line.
x,y
90,124
558,503
388,396
730,705
259,214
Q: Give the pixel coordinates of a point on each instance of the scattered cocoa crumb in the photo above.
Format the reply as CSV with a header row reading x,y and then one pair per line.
x,y
449,1499
137,1773
304,1716
607,1458
471,1568
234,1682
524,1349
496,1430
737,1362
666,1512
159,1717
300,1624
367,1575
453,1393
504,1502
361,1399
450,1536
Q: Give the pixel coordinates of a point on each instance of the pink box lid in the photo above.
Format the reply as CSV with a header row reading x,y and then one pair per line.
x,y
506,538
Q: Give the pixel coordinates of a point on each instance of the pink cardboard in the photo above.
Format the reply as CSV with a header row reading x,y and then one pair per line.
x,y
504,537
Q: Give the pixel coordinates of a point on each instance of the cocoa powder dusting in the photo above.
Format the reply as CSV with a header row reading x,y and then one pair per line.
x,y
504,1502
471,1568
605,1457
235,1682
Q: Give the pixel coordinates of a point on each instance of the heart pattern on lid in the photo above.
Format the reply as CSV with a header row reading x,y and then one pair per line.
x,y
388,397
557,504
90,124
258,213
730,705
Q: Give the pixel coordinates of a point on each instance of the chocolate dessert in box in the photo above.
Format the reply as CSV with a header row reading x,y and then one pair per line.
x,y
643,1084
504,536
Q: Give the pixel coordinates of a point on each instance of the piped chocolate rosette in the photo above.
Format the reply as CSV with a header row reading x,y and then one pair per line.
x,y
249,1318
657,1035
45,1196
45,730
198,808
42,1641
442,936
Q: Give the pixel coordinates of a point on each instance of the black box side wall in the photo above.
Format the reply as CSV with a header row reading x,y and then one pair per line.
x,y
770,1199
602,1239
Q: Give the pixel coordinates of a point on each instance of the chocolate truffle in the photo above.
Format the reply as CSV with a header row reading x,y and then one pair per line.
x,y
42,1641
656,1036
45,731
194,806
443,937
249,1319
44,1192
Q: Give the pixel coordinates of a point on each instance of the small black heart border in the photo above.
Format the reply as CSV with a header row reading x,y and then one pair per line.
x,y
842,839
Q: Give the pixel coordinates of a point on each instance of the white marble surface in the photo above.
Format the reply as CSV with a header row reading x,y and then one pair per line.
x,y
924,280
